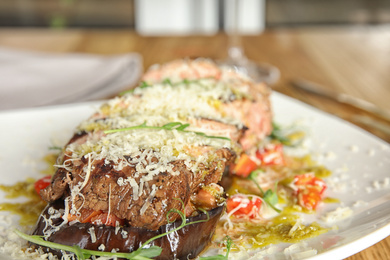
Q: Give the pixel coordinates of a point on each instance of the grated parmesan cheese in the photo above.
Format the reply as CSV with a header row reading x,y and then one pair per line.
x,y
337,215
91,232
101,247
149,200
124,234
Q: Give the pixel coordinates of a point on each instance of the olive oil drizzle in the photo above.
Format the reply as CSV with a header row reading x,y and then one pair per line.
x,y
29,210
286,227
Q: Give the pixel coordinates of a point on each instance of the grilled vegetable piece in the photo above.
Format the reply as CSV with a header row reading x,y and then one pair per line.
x,y
186,243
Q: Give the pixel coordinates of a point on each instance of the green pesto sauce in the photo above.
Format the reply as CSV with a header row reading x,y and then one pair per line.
x,y
294,208
282,232
318,170
29,210
50,160
285,227
331,200
22,188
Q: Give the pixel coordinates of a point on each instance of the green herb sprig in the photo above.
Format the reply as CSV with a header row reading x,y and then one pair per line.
x,y
184,81
183,224
277,135
55,148
166,81
142,253
170,126
269,196
229,243
139,254
143,85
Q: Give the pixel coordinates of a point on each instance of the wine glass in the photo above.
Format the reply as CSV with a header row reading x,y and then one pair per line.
x,y
260,72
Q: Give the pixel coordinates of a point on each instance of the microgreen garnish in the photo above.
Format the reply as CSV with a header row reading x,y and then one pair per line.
x,y
55,148
277,135
166,81
170,126
144,85
183,224
184,81
141,86
269,196
142,253
229,243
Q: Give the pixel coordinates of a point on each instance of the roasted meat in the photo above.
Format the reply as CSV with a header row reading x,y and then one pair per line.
x,y
120,192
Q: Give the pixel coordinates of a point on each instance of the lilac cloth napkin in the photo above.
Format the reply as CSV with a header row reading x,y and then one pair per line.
x,y
30,79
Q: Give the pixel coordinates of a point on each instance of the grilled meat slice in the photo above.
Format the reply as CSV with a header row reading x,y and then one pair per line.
x,y
142,200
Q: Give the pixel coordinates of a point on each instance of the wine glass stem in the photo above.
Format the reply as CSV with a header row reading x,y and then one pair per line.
x,y
235,49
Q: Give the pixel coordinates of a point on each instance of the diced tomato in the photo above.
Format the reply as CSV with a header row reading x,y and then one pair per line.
x,y
244,166
310,181
271,155
85,215
310,190
106,219
205,199
42,183
96,217
309,198
243,206
91,213
72,218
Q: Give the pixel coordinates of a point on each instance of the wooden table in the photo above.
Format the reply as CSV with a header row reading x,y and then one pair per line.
x,y
352,60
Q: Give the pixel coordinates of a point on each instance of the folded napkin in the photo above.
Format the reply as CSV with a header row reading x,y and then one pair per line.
x,y
29,79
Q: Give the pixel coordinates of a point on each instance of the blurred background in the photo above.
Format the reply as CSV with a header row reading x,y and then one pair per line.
x,y
191,16
340,45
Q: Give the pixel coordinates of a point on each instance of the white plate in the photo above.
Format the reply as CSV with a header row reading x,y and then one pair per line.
x,y
360,163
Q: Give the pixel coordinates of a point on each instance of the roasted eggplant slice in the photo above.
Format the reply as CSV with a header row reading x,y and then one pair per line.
x,y
186,243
